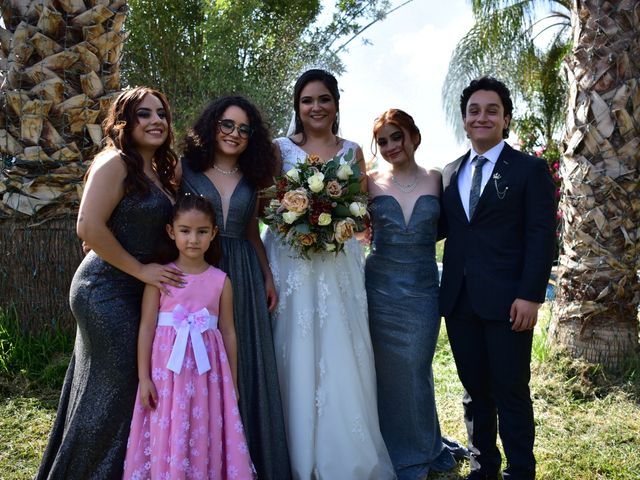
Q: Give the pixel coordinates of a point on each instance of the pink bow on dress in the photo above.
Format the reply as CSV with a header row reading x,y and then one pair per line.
x,y
189,325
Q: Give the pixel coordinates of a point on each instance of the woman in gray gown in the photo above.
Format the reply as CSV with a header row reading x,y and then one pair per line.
x,y
127,201
228,156
402,292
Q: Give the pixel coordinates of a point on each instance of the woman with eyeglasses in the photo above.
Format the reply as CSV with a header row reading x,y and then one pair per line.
x,y
228,157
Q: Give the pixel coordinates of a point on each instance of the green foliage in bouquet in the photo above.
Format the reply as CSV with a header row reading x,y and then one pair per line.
x,y
317,206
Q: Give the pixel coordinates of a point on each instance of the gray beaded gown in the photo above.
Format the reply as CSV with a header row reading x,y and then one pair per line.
x,y
260,403
89,435
402,290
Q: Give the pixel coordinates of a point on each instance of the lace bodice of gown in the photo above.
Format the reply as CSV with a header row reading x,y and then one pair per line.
x,y
241,204
292,153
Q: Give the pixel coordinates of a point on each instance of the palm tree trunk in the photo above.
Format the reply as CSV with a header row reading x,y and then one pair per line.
x,y
60,69
596,312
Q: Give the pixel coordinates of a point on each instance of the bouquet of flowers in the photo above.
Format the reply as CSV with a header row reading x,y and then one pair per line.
x,y
318,206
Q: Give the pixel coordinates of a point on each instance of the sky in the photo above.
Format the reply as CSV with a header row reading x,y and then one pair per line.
x,y
404,67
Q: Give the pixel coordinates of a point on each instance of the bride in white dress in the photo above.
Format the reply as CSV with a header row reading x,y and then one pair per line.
x,y
320,327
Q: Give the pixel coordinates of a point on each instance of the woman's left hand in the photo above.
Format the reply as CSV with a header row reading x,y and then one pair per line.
x,y
272,294
160,276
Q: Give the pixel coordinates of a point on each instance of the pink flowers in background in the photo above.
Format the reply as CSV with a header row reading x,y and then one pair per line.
x,y
317,206
553,160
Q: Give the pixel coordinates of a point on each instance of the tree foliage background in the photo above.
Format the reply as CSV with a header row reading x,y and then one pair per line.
x,y
523,43
196,50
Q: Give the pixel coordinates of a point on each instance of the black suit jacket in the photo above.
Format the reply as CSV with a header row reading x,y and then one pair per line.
x,y
506,250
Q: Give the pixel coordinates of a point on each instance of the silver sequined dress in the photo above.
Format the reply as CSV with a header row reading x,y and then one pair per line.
x,y
402,290
89,436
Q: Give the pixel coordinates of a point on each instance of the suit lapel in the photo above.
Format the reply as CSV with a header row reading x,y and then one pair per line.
x,y
453,185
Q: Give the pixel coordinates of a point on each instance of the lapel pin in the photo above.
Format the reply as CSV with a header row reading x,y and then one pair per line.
x,y
500,193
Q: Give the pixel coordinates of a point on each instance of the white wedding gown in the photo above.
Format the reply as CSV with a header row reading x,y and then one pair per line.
x,y
325,359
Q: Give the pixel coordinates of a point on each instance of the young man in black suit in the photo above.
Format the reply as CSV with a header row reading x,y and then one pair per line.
x,y
498,215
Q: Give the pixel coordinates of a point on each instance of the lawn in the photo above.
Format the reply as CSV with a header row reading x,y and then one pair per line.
x,y
588,420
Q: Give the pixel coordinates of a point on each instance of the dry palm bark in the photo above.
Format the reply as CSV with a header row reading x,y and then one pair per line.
x,y
598,290
59,68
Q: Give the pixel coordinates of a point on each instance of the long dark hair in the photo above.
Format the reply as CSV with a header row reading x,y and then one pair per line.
x,y
120,122
257,162
400,119
329,81
167,252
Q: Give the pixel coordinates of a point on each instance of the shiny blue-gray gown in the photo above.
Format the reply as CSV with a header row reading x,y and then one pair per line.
x,y
89,436
260,405
402,291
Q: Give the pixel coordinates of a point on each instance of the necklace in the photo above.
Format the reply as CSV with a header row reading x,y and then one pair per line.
x,y
225,172
409,187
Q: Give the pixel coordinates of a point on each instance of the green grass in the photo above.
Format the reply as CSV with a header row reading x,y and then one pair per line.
x,y
439,250
27,412
588,420
32,368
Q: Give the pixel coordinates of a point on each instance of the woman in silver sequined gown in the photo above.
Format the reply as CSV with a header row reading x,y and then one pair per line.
x,y
402,291
228,155
126,203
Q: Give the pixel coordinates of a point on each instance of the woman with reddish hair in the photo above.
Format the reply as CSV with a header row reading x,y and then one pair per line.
x,y
402,291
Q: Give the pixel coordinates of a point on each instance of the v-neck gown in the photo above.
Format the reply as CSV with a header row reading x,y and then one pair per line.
x,y
260,405
402,290
325,359
89,436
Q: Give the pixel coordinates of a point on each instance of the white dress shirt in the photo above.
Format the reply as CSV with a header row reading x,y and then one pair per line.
x,y
465,174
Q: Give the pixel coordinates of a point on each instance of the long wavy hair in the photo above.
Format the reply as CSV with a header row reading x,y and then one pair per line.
x,y
118,127
166,250
400,119
329,81
257,162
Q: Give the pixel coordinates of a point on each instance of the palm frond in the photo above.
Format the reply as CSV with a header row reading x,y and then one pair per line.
x,y
501,44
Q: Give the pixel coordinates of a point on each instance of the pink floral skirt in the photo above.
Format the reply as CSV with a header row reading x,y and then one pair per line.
x,y
195,432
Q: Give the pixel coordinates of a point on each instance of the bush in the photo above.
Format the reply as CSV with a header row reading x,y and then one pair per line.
x,y
41,357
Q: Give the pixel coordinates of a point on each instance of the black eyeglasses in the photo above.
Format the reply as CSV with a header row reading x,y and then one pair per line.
x,y
227,127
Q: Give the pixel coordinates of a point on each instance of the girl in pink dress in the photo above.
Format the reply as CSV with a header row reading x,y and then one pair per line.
x,y
186,423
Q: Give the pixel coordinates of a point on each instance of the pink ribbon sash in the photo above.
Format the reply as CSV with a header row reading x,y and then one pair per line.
x,y
188,325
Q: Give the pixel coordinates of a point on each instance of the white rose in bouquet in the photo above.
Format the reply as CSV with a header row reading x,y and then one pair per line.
x,y
358,209
324,219
290,217
316,182
293,175
344,171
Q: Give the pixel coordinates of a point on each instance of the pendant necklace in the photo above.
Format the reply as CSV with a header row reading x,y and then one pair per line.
x,y
225,172
406,188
